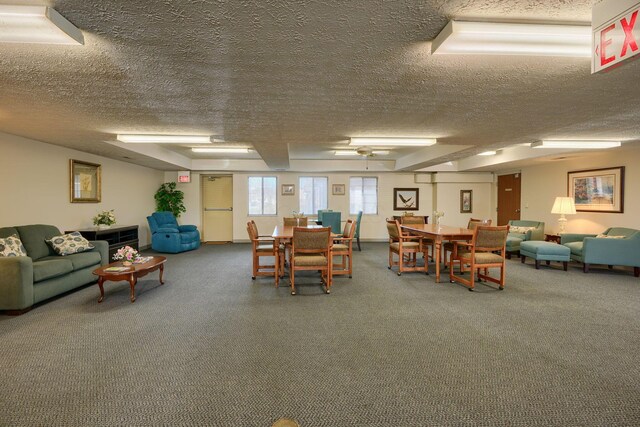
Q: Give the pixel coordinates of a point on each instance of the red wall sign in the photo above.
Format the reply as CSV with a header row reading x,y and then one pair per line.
x,y
618,38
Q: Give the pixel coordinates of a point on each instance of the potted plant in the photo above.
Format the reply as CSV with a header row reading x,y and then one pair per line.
x,y
169,199
104,219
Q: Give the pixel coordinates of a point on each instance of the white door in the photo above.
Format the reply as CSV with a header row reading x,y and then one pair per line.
x,y
217,202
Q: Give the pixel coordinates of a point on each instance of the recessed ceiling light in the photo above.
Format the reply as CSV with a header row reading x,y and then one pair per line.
x,y
164,139
461,37
487,153
227,150
355,153
391,142
36,24
585,144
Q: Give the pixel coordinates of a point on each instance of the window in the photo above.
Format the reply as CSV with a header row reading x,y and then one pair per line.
x,y
313,194
363,195
263,195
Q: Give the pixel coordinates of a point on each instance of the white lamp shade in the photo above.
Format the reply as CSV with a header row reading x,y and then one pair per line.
x,y
564,205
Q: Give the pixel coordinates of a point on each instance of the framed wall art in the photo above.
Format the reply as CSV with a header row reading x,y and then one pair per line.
x,y
405,199
338,189
598,190
85,182
466,201
288,189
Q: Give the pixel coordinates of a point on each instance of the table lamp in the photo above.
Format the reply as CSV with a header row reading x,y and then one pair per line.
x,y
563,206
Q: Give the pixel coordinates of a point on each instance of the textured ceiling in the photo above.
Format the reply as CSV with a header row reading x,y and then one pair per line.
x,y
295,79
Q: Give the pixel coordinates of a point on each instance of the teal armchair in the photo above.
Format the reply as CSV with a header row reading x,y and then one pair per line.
x,y
616,246
517,234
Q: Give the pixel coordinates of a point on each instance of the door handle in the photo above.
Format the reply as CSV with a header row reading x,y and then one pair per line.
x,y
517,210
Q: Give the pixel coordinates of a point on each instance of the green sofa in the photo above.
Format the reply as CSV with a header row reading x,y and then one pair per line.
x,y
42,274
616,246
515,237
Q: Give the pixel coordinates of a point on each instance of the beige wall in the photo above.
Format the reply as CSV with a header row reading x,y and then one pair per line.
x,y
541,184
34,186
372,226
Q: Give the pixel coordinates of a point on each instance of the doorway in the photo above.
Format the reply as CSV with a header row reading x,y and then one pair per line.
x,y
508,198
217,206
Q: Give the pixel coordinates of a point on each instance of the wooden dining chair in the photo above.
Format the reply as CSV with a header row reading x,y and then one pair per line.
x,y
427,243
263,246
343,247
296,222
486,250
447,247
311,251
406,247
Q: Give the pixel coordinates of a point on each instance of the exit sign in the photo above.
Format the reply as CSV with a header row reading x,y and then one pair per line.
x,y
616,33
184,176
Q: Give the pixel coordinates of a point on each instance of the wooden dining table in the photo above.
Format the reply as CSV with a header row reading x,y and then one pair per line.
x,y
438,233
283,234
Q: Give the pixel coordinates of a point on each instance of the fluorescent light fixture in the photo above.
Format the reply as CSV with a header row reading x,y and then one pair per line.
x,y
355,153
585,144
225,150
36,24
487,153
391,142
461,37
164,139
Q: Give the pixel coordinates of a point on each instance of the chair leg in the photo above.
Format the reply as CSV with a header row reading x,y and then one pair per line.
x,y
565,264
358,240
502,276
585,267
292,278
636,271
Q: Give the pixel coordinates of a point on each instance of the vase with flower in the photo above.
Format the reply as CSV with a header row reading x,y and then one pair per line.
x,y
127,255
437,216
104,219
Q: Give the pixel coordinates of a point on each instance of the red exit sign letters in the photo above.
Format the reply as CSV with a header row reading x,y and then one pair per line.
x,y
616,38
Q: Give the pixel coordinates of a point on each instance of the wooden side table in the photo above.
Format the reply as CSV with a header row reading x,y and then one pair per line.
x,y
555,238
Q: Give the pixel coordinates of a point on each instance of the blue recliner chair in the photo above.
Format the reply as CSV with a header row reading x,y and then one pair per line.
x,y
169,237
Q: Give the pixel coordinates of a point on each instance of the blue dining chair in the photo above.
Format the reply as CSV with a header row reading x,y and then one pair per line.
x,y
332,219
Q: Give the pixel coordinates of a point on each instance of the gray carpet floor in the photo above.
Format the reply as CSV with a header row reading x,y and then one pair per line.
x,y
212,347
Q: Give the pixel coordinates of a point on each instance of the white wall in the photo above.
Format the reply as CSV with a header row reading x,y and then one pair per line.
x,y
541,184
34,188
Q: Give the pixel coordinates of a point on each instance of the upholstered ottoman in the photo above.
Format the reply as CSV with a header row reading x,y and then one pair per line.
x,y
544,251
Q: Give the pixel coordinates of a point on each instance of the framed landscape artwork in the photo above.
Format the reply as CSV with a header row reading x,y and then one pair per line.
x,y
598,190
84,182
405,199
466,201
288,189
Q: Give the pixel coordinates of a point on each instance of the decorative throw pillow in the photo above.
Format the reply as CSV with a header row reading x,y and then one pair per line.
x,y
607,236
12,246
68,244
520,229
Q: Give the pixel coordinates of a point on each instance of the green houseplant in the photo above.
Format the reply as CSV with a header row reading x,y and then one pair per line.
x,y
169,199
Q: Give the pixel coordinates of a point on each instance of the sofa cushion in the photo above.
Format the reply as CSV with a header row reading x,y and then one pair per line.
x,y
8,231
609,236
517,236
11,246
33,238
519,229
575,248
49,267
85,259
68,244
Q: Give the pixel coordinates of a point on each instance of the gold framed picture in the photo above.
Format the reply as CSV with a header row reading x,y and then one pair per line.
x,y
466,201
338,189
85,184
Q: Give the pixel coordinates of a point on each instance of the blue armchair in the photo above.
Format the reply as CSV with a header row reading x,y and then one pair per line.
x,y
521,231
167,236
616,246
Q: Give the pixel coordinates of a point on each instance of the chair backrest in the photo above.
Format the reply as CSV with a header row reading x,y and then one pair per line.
x,y
321,212
311,240
358,219
349,229
393,228
419,219
474,222
165,219
487,238
333,220
302,221
252,229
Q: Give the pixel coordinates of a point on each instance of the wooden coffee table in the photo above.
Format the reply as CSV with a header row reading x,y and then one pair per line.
x,y
128,273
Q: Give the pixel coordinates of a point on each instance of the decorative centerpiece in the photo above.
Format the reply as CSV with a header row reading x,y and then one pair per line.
x,y
127,254
297,214
437,215
104,219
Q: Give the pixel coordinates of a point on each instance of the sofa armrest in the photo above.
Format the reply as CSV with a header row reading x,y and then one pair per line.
x,y
183,228
16,283
102,246
573,237
166,230
611,251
